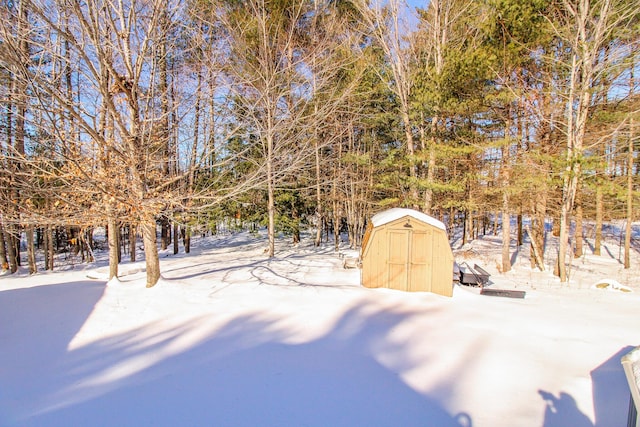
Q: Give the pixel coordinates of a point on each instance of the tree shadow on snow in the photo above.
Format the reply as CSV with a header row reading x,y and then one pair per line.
x,y
36,326
617,258
261,271
514,256
244,374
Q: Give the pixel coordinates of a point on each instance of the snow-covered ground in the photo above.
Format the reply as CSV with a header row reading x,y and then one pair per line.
x,y
230,338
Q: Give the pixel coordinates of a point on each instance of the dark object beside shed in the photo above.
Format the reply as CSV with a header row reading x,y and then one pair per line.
x,y
476,276
502,293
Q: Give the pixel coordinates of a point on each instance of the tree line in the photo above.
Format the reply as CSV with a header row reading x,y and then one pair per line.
x,y
139,114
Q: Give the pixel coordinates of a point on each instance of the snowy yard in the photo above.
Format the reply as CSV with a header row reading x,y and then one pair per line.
x,y
229,338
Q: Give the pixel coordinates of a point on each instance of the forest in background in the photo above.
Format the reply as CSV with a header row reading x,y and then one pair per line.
x,y
144,114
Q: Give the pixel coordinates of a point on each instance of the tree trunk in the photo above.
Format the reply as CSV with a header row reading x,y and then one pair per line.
x,y
31,250
119,241
21,105
45,246
337,204
51,248
336,226
11,246
571,183
485,219
124,240
599,219
149,239
413,170
187,239
76,241
506,208
520,235
431,166
271,207
431,176
468,227
351,224
319,213
18,242
112,239
176,237
90,244
132,242
4,262
296,225
81,245
316,152
506,234
165,233
572,170
627,235
538,229
536,252
579,248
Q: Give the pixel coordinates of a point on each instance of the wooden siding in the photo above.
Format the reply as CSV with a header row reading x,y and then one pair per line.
x,y
407,255
420,261
398,255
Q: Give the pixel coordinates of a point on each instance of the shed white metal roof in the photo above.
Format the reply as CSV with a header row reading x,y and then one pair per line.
x,y
390,215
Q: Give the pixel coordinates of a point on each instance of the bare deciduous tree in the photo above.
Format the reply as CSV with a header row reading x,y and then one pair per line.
x,y
586,28
282,67
120,156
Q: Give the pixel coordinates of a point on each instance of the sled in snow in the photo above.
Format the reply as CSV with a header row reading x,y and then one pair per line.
x,y
475,276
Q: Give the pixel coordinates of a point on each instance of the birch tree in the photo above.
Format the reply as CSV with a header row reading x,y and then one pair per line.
x,y
388,25
586,27
444,37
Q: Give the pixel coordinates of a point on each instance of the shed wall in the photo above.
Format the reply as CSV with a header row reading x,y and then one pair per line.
x,y
408,255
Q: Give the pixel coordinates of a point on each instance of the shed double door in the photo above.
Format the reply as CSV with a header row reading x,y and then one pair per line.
x,y
409,265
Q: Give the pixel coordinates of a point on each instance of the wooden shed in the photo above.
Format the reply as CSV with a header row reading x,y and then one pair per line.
x,y
407,250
